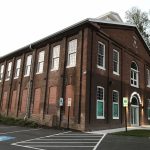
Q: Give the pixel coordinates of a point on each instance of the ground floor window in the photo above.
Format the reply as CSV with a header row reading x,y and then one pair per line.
x,y
115,106
148,109
100,103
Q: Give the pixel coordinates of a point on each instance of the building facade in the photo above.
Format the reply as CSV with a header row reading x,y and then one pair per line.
x,y
93,64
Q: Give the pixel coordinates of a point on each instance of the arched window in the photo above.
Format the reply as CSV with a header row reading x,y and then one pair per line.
x,y
134,75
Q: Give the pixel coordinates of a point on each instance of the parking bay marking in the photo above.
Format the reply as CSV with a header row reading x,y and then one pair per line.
x,y
96,140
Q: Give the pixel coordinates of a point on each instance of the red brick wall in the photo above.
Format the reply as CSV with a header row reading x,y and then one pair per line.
x,y
4,101
13,102
69,94
37,99
52,99
24,101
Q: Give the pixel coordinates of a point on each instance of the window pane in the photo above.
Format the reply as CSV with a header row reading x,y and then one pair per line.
x,y
18,63
134,74
100,108
100,94
29,60
27,70
100,49
148,112
115,96
72,46
148,103
148,77
55,57
101,54
115,56
72,59
115,67
40,69
1,71
56,51
41,56
56,63
134,66
115,110
100,60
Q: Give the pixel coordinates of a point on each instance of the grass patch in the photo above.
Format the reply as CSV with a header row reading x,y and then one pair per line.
x,y
137,133
18,122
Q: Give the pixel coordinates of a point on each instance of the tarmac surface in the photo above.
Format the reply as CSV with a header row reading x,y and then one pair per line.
x,y
21,138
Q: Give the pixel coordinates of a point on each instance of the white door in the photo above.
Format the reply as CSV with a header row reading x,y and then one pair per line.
x,y
134,115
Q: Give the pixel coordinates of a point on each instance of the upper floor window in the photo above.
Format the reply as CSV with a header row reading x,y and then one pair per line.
x,y
1,72
115,62
28,65
55,57
17,71
134,75
148,110
72,50
8,73
115,98
101,56
40,64
100,103
148,78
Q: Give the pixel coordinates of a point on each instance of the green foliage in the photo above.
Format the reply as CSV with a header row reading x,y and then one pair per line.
x,y
17,122
137,133
136,17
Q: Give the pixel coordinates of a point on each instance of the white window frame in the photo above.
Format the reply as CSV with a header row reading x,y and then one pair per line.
x,y
17,70
9,68
115,103
55,65
98,66
148,109
40,64
97,100
28,66
114,61
148,77
1,72
137,76
72,52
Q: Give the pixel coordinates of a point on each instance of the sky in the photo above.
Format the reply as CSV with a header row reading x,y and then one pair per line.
x,y
25,21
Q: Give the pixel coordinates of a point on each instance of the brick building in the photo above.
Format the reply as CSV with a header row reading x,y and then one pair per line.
x,y
94,63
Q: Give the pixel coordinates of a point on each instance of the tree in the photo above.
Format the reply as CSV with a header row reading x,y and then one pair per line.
x,y
140,19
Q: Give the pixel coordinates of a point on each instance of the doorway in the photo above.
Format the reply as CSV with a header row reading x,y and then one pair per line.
x,y
134,111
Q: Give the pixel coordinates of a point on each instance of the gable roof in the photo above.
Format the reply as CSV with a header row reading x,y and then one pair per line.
x,y
121,24
110,16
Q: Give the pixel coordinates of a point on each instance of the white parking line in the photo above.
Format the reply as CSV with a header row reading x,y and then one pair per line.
x,y
99,142
76,142
58,146
67,139
27,146
17,143
77,136
19,131
59,142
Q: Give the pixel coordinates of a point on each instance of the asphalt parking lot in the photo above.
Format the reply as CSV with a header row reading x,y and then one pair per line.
x,y
20,138
113,142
